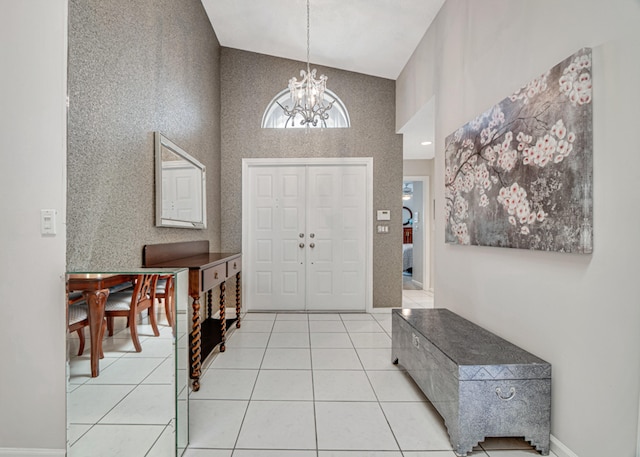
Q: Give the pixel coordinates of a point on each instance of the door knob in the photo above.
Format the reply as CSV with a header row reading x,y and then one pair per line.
x,y
312,245
301,245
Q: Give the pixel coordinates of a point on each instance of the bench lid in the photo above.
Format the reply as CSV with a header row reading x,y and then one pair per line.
x,y
478,353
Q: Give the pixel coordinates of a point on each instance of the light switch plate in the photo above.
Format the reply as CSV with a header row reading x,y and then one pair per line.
x,y
384,215
48,221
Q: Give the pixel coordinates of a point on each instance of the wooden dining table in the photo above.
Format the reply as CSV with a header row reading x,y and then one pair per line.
x,y
95,289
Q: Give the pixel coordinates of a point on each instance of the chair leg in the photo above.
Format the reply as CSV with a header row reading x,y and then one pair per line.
x,y
110,325
168,310
152,319
102,330
81,338
134,337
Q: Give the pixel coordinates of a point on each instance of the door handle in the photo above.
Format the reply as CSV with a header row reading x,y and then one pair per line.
x,y
301,245
312,245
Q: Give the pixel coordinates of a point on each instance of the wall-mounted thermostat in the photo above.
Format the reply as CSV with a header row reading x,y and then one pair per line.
x,y
384,215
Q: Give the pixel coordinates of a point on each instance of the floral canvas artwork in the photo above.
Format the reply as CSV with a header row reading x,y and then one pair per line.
x,y
520,175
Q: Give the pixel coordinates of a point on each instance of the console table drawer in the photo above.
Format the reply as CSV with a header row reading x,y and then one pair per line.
x,y
213,276
233,267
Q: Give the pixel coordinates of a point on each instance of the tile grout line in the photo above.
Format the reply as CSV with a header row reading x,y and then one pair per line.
x,y
313,391
376,394
244,416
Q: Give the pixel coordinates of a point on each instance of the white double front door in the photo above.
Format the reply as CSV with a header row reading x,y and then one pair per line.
x,y
306,237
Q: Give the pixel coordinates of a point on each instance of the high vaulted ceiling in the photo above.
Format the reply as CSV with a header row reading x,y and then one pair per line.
x,y
374,37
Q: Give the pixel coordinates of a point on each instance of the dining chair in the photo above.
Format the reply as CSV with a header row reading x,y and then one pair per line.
x,y
164,295
78,319
130,303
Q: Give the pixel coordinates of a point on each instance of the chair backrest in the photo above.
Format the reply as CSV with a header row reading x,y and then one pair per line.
x,y
144,292
168,289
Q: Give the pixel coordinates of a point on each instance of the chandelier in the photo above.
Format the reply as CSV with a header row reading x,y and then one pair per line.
x,y
307,95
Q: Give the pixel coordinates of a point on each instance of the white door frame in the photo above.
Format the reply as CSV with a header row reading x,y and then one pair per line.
x,y
426,228
366,161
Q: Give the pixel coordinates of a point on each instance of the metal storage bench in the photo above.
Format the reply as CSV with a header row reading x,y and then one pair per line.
x,y
482,385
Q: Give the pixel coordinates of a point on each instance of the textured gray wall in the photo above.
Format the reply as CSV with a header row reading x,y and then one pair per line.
x,y
249,81
134,68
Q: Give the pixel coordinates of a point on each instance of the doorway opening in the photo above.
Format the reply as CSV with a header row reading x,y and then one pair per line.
x,y
416,229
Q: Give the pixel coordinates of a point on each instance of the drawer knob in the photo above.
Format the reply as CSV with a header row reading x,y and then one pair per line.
x,y
234,265
509,396
215,275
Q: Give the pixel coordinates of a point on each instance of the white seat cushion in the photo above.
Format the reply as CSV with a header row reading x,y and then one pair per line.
x,y
119,301
78,313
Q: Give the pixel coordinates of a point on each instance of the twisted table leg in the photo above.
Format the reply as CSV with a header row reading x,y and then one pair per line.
x,y
195,344
238,305
209,303
223,319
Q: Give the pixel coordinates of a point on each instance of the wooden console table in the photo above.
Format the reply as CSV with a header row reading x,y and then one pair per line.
x,y
206,270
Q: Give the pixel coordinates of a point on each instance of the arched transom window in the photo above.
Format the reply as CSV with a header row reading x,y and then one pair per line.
x,y
275,118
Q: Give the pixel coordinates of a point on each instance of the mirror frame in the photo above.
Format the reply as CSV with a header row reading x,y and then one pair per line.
x,y
162,142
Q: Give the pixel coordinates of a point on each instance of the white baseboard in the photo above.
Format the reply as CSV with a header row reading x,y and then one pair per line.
x,y
559,449
13,452
417,283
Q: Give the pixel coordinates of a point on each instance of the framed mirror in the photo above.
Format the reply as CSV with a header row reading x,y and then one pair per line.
x,y
180,187
407,216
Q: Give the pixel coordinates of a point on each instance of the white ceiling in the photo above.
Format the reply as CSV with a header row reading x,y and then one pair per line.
x,y
373,37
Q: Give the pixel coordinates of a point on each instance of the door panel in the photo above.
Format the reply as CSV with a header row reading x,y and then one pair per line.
x,y
274,224
337,218
180,186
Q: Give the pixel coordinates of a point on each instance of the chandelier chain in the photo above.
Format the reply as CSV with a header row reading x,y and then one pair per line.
x,y
308,37
307,94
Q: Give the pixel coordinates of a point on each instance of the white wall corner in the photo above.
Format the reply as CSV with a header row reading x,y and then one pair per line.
x,y
559,449
12,452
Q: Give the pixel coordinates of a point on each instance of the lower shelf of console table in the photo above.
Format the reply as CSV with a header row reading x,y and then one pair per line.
x,y
211,335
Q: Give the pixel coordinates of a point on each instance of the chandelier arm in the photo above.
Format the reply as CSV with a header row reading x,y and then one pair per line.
x,y
286,110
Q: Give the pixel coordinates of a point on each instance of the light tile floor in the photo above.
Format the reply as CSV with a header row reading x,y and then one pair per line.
x,y
288,385
417,299
130,400
319,385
